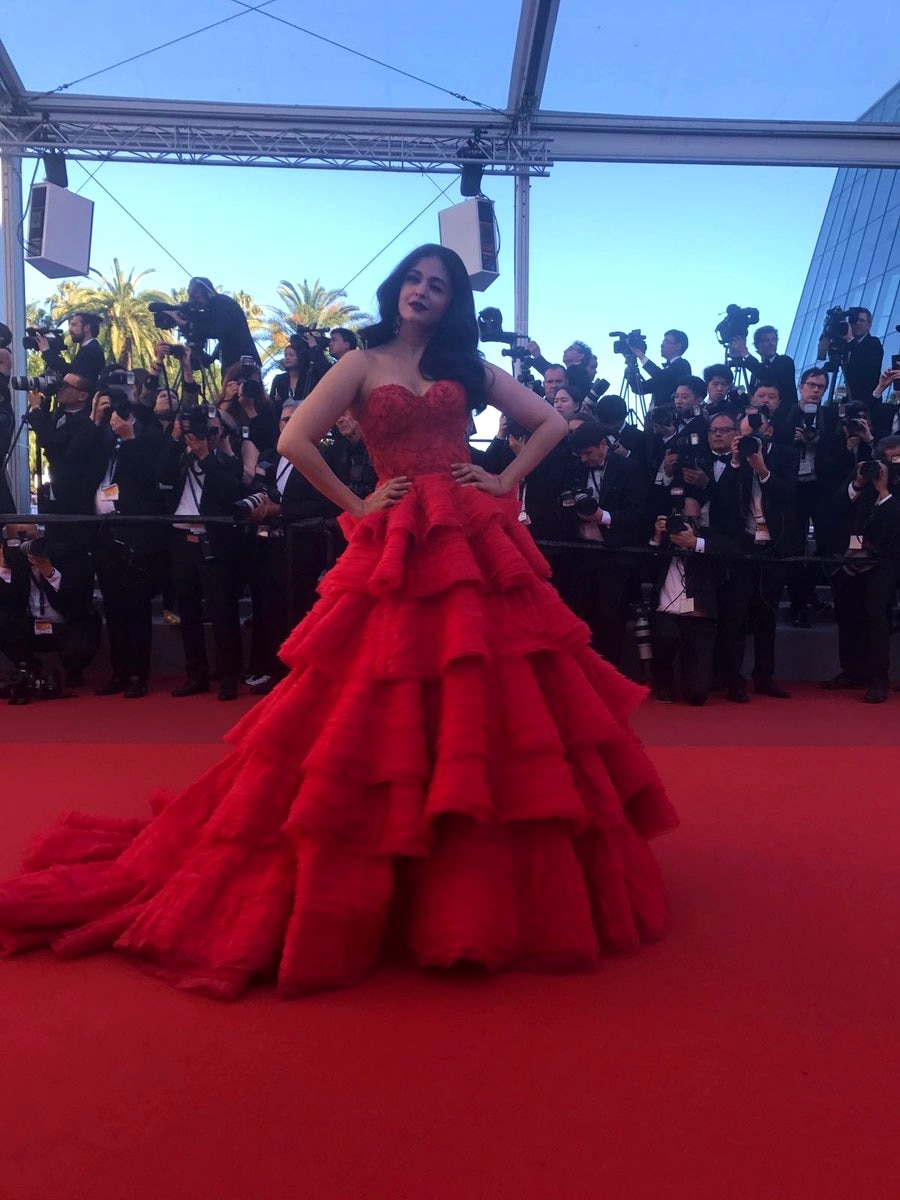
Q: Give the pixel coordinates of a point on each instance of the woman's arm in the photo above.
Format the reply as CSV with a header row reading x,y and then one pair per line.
x,y
337,391
547,428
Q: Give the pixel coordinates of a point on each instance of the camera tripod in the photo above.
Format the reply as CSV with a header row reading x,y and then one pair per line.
x,y
739,371
635,397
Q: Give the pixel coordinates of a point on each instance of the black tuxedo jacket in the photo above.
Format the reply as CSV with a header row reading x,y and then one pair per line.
x,y
87,362
703,573
299,500
222,487
780,370
877,524
731,496
862,368
623,495
67,439
663,381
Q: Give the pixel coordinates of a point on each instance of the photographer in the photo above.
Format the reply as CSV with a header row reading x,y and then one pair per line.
x,y
575,363
555,377
663,381
885,408
720,394
348,457
753,502
568,400
7,417
88,360
280,495
626,440
685,601
247,412
45,603
772,366
181,354
603,502
341,342
212,316
677,436
862,358
203,480
820,466
304,365
864,591
126,455
65,435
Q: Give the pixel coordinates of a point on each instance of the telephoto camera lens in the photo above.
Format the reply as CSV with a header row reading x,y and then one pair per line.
x,y
748,446
586,504
868,470
243,509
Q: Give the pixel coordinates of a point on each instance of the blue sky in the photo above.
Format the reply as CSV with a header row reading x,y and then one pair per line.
x,y
613,246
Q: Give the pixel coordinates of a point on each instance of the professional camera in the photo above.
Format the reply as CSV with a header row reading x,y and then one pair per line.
x,y
37,547
852,419
249,368
833,344
56,337
868,470
163,319
194,420
748,446
244,509
665,416
6,336
628,344
585,504
597,389
47,384
687,446
175,349
757,417
297,340
837,324
118,384
676,521
736,323
490,327
808,414
24,684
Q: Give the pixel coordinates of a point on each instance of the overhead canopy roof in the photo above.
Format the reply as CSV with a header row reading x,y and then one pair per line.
x,y
271,83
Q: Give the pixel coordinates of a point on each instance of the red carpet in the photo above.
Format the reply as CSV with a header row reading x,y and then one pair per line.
x,y
751,1056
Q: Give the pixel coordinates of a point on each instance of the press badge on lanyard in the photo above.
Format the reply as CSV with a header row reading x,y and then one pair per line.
x,y
42,628
110,492
761,533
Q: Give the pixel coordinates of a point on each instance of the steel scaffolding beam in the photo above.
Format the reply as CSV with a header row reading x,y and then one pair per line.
x,y
240,135
125,129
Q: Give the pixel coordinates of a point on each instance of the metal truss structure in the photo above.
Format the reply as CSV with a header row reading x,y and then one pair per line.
x,y
522,141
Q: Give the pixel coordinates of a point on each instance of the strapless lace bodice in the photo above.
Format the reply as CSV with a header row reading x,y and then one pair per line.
x,y
414,435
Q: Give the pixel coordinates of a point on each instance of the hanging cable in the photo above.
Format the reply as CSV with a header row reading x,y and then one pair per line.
x,y
377,61
63,87
388,245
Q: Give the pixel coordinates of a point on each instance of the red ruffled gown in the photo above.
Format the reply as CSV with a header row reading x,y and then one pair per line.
x,y
446,773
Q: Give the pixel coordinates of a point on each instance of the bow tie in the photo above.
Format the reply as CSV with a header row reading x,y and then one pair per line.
x,y
723,458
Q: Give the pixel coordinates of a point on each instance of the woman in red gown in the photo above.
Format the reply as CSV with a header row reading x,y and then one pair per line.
x,y
447,769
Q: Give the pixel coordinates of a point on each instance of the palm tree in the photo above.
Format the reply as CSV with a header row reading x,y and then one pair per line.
x,y
128,332
309,305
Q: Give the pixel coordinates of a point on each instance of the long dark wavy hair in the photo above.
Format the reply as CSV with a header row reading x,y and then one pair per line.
x,y
452,351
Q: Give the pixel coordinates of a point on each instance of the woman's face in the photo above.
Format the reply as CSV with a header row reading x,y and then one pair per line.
x,y
425,293
563,403
290,357
164,405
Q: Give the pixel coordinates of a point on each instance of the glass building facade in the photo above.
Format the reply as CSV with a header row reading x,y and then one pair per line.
x,y
857,255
